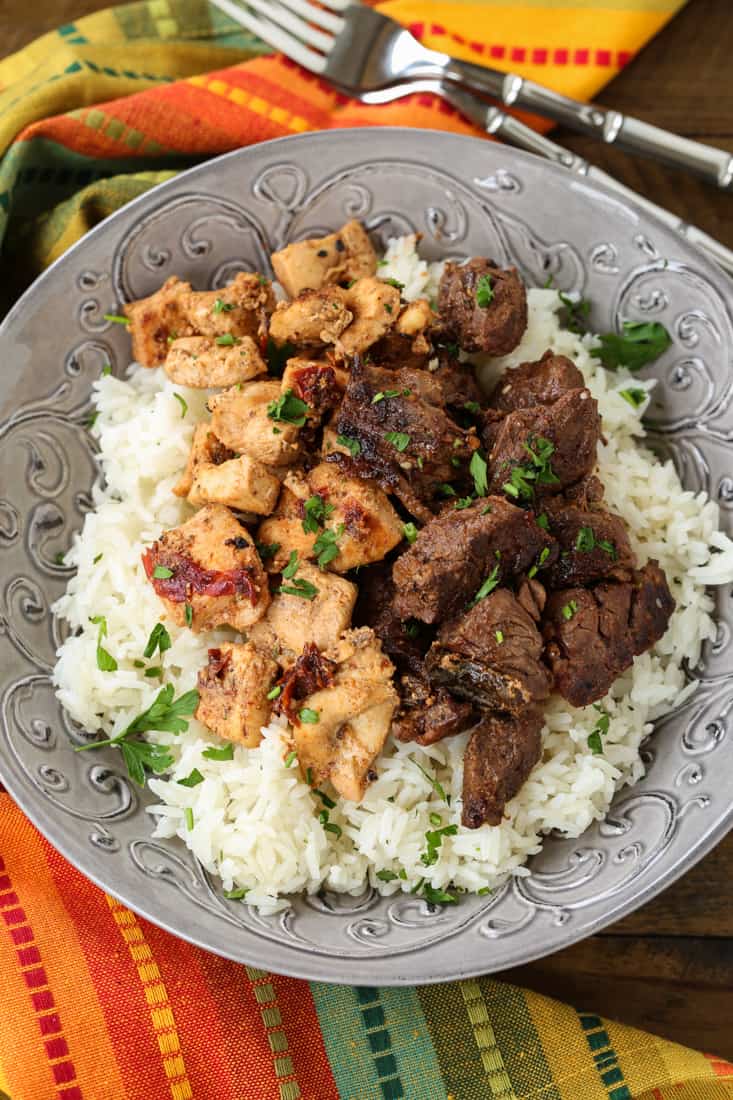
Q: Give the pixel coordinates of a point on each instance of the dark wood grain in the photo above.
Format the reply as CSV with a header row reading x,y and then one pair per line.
x,y
669,966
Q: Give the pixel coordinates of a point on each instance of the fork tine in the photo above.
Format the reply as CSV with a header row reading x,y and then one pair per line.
x,y
338,5
272,34
293,23
312,14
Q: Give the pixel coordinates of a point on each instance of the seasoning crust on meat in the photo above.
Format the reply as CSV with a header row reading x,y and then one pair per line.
x,y
393,551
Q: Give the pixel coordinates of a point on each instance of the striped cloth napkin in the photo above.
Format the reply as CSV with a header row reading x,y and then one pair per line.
x,y
96,1003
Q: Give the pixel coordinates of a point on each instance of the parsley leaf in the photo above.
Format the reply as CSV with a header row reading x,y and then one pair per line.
x,y
193,779
639,343
224,753
400,440
569,610
105,660
409,530
351,445
595,743
220,306
387,876
634,396
394,282
472,407
162,573
267,549
434,839
289,409
488,586
117,318
484,292
159,639
315,511
182,402
438,897
326,545
299,587
292,567
479,472
585,540
437,787
577,312
309,716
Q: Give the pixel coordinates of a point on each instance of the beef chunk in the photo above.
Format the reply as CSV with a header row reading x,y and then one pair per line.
x,y
491,655
456,552
593,544
593,635
409,343
458,383
532,596
500,754
571,427
404,642
498,323
429,714
490,423
540,383
408,442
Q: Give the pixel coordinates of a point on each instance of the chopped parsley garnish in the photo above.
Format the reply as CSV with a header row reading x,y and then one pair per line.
x,y
227,340
188,817
162,573
327,802
277,357
399,440
472,407
288,408
310,717
569,610
634,396
332,827
463,502
435,819
543,522
394,282
484,292
499,635
183,403
59,558
409,530
445,489
353,446
437,897
155,672
585,540
105,660
193,779
411,628
236,894
106,370
595,744
292,567
434,839
159,639
97,558
92,419
486,889
274,692
291,758
384,395
546,286
188,613
519,483
117,318
267,549
220,306
226,752
387,876
577,312
544,555
326,545
139,664
388,308
165,714
437,787
479,472
639,343
315,512
489,585
299,587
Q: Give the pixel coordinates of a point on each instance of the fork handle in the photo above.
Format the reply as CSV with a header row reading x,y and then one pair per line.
x,y
713,165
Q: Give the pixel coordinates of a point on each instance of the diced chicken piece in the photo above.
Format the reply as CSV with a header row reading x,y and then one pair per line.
x,y
202,363
153,320
408,344
337,258
315,317
208,573
233,690
206,450
293,621
240,418
320,385
375,306
354,715
415,318
242,483
353,511
241,308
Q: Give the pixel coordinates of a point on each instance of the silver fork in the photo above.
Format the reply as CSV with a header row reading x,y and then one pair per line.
x,y
362,50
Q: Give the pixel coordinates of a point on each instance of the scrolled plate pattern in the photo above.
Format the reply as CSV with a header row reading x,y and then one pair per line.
x,y
205,226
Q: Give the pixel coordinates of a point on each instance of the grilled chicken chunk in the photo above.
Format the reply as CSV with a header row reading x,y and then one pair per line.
x,y
500,754
244,419
491,655
202,363
206,450
242,483
539,383
233,690
314,318
482,306
320,385
351,514
593,544
592,635
293,621
566,433
153,320
457,552
353,716
374,306
240,309
208,573
337,258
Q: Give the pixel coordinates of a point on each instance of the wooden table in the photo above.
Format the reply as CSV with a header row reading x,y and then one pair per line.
x,y
669,967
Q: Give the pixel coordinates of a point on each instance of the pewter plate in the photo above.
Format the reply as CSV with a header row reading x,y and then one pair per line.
x,y
466,197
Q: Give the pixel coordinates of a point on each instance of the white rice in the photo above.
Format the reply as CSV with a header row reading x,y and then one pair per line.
x,y
255,822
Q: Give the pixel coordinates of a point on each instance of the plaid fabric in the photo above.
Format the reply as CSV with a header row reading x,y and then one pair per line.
x,y
95,1003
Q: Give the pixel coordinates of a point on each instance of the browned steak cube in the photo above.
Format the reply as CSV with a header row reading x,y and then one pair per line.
x,y
539,383
593,544
500,754
483,306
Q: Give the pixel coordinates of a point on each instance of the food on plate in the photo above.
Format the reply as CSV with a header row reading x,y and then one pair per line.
x,y
391,519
